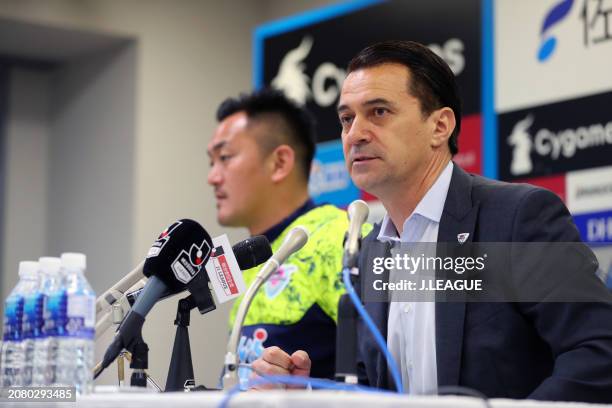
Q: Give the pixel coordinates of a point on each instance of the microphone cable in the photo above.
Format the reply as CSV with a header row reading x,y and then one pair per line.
x,y
316,383
380,341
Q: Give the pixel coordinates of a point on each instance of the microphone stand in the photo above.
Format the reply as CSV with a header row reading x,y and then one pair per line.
x,y
346,340
118,316
139,363
346,329
129,335
180,372
294,241
150,381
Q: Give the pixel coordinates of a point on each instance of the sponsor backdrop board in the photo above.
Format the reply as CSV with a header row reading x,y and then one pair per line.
x,y
556,138
589,190
553,100
534,76
306,57
551,50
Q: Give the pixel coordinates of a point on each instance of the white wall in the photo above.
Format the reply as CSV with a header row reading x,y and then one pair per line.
x,y
69,151
26,162
91,175
276,9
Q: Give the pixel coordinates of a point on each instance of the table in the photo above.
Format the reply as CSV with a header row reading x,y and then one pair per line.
x,y
293,399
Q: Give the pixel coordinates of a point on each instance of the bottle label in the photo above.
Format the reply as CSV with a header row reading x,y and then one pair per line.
x,y
55,315
33,316
13,315
81,316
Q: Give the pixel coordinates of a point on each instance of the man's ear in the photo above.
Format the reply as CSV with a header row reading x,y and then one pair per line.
x,y
283,162
443,122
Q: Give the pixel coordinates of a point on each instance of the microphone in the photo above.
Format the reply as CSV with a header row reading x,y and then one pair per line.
x,y
117,291
294,241
346,329
358,212
174,263
252,251
120,305
105,301
249,253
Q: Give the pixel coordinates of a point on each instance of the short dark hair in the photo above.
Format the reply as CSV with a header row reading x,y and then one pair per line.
x,y
433,83
295,122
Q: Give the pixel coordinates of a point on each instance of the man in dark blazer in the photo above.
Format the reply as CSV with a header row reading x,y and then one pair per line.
x,y
401,114
545,350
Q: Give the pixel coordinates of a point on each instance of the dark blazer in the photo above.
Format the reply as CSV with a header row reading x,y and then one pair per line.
x,y
546,351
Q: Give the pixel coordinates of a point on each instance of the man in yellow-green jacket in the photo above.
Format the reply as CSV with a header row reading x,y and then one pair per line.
x,y
260,157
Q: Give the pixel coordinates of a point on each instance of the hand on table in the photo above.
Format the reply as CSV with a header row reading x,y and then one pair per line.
x,y
275,361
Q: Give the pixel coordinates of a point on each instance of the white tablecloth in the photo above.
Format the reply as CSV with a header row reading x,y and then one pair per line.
x,y
292,399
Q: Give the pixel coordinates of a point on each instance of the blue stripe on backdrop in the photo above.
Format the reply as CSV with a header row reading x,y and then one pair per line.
x,y
489,118
595,228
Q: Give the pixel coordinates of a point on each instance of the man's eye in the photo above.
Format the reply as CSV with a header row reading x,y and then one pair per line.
x,y
346,120
380,111
222,158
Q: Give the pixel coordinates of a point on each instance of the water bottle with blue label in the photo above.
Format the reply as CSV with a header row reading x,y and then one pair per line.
x,y
46,343
31,325
11,361
55,323
75,354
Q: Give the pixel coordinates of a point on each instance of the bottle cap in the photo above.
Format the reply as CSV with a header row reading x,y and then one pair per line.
x,y
28,268
74,260
49,264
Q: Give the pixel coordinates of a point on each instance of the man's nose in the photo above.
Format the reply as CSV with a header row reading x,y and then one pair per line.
x,y
214,176
359,132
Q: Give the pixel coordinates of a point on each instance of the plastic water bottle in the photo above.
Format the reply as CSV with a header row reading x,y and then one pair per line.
x,y
31,325
46,342
55,323
12,351
75,355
